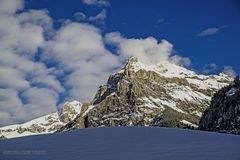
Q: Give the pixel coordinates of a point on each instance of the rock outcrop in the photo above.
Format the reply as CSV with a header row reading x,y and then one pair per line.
x,y
223,115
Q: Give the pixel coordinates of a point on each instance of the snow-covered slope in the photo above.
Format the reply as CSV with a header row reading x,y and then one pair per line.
x,y
45,124
164,94
119,143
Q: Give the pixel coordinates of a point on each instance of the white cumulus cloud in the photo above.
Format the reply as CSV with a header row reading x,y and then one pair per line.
x,y
96,2
210,68
148,50
228,70
79,49
99,18
29,88
10,6
182,61
80,16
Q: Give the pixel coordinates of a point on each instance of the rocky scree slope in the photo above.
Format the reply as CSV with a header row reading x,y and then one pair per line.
x,y
223,115
45,124
155,95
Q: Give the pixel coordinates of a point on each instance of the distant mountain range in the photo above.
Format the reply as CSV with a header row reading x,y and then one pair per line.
x,y
45,124
164,94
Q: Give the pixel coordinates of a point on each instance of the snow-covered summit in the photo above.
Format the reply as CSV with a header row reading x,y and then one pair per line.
x,y
163,94
171,70
165,67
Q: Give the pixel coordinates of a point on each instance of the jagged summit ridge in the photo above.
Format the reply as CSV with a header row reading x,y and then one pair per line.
x,y
168,69
163,94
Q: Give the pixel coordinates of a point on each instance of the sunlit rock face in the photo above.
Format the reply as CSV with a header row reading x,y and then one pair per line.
x,y
150,95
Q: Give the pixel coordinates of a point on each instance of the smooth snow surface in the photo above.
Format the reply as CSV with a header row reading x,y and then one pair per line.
x,y
129,143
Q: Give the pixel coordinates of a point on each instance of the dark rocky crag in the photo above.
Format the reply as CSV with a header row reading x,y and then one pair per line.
x,y
223,115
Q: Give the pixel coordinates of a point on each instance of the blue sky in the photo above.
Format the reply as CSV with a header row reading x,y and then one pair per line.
x,y
54,51
177,21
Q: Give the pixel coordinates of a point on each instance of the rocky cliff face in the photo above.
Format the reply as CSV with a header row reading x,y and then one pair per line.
x,y
223,115
43,125
159,95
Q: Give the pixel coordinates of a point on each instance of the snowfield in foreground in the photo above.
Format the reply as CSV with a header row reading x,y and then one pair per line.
x,y
130,143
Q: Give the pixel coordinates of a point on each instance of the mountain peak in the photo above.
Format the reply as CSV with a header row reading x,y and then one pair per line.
x,y
164,68
132,60
69,111
163,94
169,70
